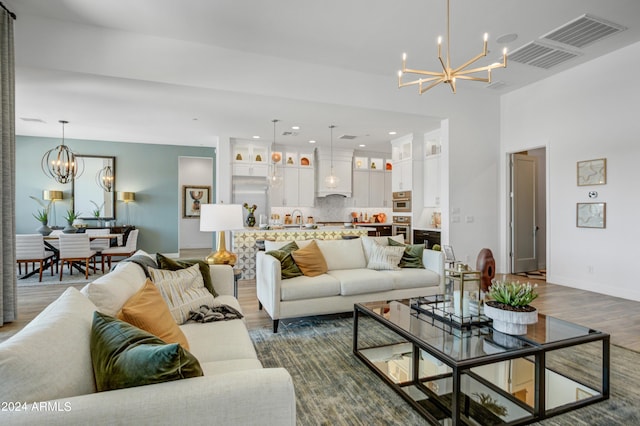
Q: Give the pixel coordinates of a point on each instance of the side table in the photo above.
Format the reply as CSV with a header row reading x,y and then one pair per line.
x,y
237,274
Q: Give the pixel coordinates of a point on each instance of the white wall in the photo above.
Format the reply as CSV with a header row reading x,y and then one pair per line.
x,y
586,113
194,171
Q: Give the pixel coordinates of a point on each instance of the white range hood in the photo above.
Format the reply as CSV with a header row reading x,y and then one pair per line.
x,y
342,168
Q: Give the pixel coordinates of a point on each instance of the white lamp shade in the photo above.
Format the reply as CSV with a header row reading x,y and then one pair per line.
x,y
220,217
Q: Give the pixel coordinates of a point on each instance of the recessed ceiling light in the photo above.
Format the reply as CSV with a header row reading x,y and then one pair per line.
x,y
362,145
392,133
256,137
295,127
312,141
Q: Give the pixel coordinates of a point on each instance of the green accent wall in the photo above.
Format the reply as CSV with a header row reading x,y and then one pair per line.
x,y
151,171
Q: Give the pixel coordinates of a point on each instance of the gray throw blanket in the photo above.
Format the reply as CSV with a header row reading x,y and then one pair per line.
x,y
143,261
214,313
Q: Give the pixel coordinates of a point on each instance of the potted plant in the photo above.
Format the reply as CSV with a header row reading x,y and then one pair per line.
x,y
251,219
70,217
42,216
510,307
96,211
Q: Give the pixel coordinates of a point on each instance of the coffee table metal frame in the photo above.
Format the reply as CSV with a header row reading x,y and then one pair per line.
x,y
459,367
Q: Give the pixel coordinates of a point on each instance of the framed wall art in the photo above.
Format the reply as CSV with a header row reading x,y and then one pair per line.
x,y
591,215
592,172
192,197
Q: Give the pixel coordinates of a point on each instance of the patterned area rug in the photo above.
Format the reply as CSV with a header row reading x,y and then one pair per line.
x,y
47,279
540,274
333,387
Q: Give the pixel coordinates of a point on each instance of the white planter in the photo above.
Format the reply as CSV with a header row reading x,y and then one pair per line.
x,y
510,322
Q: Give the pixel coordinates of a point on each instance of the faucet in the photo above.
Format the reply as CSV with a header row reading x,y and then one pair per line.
x,y
301,217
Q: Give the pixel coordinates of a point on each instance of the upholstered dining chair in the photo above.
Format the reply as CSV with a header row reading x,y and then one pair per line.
x,y
30,249
76,248
99,244
126,250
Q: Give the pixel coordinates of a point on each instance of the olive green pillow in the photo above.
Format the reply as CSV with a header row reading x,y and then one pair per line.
x,y
288,267
124,356
175,265
412,256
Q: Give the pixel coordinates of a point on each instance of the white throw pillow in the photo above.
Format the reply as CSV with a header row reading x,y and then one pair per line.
x,y
50,358
343,254
183,290
385,257
276,245
110,292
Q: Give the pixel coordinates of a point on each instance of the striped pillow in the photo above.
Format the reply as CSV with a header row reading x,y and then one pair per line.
x,y
384,257
183,290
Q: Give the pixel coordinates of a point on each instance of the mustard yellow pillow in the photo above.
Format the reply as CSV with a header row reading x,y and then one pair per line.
x,y
310,260
148,311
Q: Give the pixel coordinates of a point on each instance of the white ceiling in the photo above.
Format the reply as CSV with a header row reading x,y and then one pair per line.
x,y
189,71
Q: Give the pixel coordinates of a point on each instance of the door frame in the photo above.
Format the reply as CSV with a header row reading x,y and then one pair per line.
x,y
507,225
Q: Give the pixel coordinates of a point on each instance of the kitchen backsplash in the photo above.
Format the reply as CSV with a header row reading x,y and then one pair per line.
x,y
332,209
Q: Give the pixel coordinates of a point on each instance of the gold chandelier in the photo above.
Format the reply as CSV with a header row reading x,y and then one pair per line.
x,y
449,75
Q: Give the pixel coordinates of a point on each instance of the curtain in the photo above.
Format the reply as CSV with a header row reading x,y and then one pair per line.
x,y
8,299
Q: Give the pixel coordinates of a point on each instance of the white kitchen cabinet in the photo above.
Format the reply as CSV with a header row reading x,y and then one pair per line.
x,y
388,196
432,181
297,189
361,187
376,188
250,159
402,175
306,187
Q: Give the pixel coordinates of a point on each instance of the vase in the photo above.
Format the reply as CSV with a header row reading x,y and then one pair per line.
x,y
44,229
508,321
70,229
251,220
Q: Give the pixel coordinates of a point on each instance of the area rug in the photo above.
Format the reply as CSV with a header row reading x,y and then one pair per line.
x,y
333,387
47,279
540,274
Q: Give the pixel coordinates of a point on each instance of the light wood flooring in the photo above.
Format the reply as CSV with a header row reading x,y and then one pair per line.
x,y
618,317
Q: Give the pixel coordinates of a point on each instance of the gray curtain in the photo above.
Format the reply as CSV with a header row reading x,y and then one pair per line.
x,y
8,300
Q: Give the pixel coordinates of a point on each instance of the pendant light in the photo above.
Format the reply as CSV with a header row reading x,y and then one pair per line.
x,y
60,163
275,180
332,180
104,178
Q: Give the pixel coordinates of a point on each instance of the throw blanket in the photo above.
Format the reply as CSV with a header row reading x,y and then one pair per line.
x,y
145,262
214,313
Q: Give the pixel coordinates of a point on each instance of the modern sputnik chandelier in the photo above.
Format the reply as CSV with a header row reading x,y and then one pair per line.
x,y
61,163
449,75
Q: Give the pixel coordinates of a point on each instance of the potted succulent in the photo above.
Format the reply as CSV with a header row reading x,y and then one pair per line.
x,y
70,217
96,212
42,216
510,307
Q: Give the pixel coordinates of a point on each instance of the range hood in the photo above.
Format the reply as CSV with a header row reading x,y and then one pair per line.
x,y
342,165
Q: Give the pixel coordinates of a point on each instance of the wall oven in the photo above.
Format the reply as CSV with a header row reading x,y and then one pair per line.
x,y
402,225
402,202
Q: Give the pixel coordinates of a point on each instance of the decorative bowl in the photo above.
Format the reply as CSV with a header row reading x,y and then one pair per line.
x,y
348,224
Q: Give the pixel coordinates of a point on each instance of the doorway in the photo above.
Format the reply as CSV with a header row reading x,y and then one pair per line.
x,y
528,218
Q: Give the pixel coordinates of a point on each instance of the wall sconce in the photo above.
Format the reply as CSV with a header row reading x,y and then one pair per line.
x,y
127,197
52,196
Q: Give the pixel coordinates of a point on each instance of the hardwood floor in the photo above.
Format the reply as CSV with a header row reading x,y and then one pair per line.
x,y
618,317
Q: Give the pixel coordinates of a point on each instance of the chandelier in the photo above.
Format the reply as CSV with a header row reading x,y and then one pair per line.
x,y
332,180
275,180
104,178
449,75
60,163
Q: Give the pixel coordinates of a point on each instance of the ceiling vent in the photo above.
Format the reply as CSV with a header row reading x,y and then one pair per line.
x,y
583,31
541,55
349,137
289,133
32,120
496,85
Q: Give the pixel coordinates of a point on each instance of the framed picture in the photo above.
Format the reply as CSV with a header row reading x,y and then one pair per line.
x,y
591,215
592,172
192,197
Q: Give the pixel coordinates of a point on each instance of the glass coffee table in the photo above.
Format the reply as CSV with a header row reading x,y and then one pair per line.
x,y
479,376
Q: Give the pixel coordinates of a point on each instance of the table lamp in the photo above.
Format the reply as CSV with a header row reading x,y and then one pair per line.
x,y
127,197
220,218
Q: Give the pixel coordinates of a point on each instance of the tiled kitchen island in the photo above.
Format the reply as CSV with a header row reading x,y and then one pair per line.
x,y
244,241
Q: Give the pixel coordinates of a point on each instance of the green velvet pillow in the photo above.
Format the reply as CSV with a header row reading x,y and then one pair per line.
x,y
125,356
412,256
175,265
288,266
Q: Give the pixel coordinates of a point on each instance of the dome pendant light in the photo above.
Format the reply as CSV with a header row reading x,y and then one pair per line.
x,y
332,180
275,180
60,163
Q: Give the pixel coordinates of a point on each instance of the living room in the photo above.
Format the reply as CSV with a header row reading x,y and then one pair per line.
x,y
579,114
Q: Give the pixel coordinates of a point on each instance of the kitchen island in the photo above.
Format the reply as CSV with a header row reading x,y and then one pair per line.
x,y
245,241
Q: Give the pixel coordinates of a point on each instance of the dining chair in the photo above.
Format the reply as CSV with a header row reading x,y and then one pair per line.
x,y
76,248
128,249
99,244
30,249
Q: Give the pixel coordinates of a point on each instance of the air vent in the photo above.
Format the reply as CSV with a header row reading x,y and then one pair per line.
x,y
350,137
583,31
541,55
496,85
32,120
289,133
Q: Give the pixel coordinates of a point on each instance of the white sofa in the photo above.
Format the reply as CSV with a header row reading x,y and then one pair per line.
x,y
47,375
348,280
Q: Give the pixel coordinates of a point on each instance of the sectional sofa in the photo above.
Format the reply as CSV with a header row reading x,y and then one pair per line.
x,y
347,281
47,374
